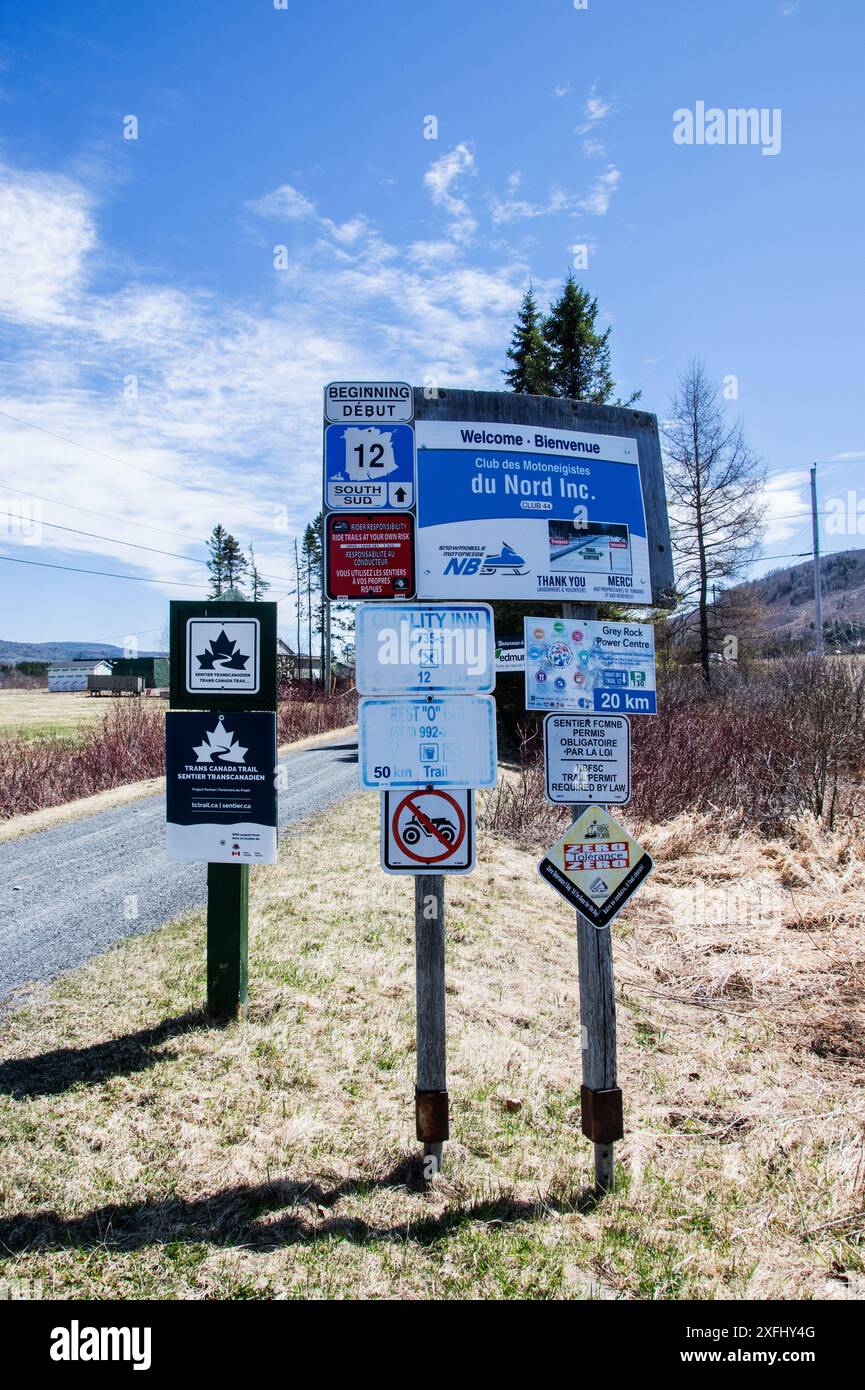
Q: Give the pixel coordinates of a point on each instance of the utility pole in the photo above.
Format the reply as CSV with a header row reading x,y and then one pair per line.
x,y
818,598
328,658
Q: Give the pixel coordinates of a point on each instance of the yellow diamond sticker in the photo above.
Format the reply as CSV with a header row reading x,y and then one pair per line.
x,y
596,866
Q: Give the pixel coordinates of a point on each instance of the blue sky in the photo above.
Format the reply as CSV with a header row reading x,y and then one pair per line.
x,y
174,373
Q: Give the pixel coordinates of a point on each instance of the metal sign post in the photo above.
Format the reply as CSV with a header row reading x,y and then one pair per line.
x,y
600,1095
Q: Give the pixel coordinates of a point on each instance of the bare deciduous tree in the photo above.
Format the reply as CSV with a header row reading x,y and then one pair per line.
x,y
714,486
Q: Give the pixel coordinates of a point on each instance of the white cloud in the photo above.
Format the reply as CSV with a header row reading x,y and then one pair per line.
x,y
46,233
562,89
596,109
597,200
441,179
594,149
228,408
786,505
283,202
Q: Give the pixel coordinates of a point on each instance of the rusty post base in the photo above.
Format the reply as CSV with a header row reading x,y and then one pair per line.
x,y
431,1116
601,1112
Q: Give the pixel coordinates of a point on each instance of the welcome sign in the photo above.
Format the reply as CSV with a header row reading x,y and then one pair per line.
x,y
519,512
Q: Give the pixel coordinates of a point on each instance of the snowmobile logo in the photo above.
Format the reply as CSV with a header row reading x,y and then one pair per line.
x,y
598,888
224,655
219,746
506,562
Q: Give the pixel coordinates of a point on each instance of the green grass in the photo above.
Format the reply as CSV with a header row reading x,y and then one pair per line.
x,y
150,1154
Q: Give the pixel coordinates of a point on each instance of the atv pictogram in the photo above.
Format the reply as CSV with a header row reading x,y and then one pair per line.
x,y
414,829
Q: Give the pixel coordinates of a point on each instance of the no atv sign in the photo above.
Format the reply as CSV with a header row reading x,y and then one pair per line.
x,y
429,832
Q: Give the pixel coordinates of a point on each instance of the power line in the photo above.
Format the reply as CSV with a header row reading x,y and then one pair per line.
x,y
134,545
124,463
114,540
107,574
106,516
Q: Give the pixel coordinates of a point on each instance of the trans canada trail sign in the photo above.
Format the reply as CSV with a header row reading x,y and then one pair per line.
x,y
223,655
221,787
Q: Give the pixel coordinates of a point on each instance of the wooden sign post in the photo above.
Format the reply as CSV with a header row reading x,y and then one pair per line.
x,y
600,1096
431,1096
227,941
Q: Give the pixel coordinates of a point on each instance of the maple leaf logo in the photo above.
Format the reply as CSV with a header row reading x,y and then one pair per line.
x,y
222,655
219,746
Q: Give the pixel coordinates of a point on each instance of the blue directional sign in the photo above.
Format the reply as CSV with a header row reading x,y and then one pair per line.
x,y
424,648
442,741
369,467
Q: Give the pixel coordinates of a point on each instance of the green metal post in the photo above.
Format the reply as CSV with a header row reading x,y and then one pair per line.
x,y
227,940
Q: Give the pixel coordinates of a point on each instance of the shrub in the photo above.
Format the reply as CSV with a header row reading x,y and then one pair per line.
x,y
127,746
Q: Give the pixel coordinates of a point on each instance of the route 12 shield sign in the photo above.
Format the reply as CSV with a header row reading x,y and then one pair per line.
x,y
596,866
428,832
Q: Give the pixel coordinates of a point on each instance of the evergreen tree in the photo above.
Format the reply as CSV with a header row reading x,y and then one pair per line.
x,y
226,561
580,354
258,584
235,562
310,559
216,561
531,373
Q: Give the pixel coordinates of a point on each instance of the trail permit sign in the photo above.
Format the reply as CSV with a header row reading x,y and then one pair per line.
x,y
413,742
220,787
587,757
408,648
520,512
426,832
371,402
596,866
369,467
223,655
369,556
590,666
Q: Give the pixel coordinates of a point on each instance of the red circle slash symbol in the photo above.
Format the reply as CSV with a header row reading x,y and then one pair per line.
x,y
429,826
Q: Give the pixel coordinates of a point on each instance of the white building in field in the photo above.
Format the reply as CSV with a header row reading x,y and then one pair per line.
x,y
72,675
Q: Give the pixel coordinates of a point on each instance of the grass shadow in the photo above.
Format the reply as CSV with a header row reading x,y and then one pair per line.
x,y
271,1215
52,1073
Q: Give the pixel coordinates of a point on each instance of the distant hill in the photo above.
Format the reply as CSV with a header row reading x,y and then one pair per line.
x,y
787,597
60,651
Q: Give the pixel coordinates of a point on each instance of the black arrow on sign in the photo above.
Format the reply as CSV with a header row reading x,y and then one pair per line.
x,y
400,494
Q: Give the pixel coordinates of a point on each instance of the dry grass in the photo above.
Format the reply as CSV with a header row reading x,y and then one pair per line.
x,y
36,714
149,1155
